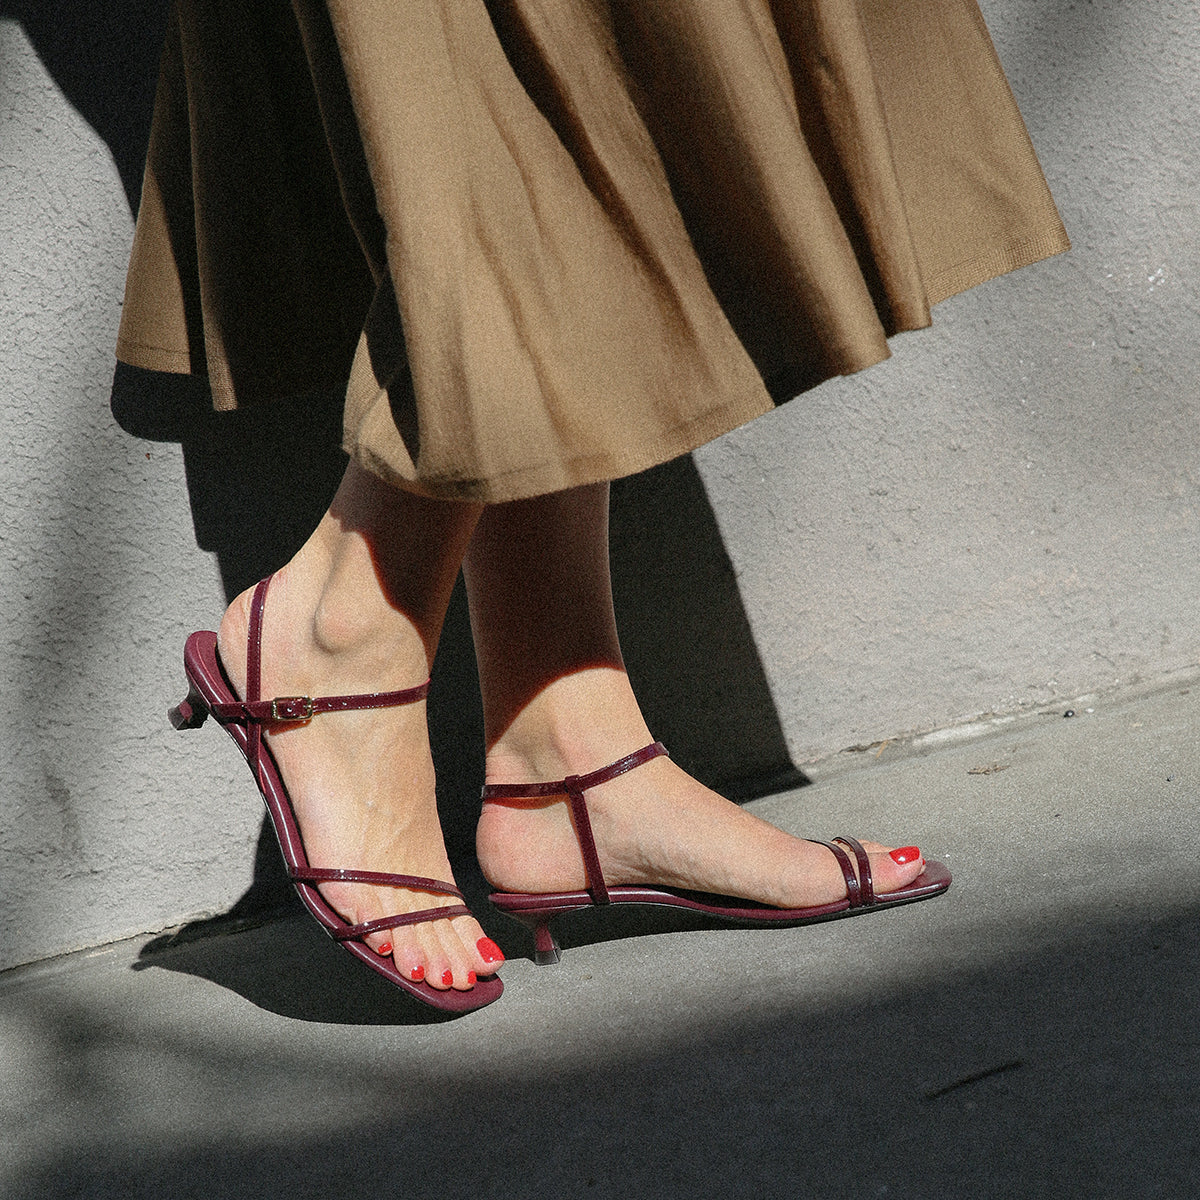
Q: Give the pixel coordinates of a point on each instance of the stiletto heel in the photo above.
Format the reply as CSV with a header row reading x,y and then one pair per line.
x,y
546,950
535,909
210,693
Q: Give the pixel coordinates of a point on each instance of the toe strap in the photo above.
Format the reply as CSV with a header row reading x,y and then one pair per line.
x,y
419,883
352,932
865,884
384,878
859,888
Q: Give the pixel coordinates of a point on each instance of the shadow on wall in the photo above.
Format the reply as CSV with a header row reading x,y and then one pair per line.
x,y
103,55
259,480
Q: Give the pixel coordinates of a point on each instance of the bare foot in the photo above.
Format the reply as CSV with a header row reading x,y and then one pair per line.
x,y
361,782
653,825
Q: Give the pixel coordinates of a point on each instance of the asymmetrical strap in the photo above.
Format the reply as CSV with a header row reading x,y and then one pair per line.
x,y
415,882
573,787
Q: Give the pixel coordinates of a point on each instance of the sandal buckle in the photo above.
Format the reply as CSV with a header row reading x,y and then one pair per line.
x,y
287,709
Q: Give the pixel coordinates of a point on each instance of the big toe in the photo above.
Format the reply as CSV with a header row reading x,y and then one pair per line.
x,y
473,951
893,869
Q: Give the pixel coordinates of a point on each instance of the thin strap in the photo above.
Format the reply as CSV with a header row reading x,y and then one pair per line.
x,y
573,787
384,878
295,709
416,882
864,869
254,675
853,891
859,888
351,932
254,642
255,711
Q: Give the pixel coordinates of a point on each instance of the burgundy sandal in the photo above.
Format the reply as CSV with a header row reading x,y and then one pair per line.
x,y
211,692
537,909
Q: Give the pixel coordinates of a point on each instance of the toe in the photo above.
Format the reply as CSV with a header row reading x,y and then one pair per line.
x,y
490,954
892,869
408,955
438,972
462,961
477,953
453,953
426,951
380,942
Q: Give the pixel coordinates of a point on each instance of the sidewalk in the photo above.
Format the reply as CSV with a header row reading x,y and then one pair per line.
x,y
1033,1033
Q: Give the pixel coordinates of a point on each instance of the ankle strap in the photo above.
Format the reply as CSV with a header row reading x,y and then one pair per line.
x,y
573,787
294,709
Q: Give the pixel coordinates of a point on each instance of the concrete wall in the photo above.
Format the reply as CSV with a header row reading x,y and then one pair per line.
x,y
1003,515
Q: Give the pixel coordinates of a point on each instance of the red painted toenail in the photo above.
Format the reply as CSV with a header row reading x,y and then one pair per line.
x,y
386,948
470,979
905,855
417,973
448,978
489,951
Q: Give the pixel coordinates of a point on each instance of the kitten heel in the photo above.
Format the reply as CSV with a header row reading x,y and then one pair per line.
x,y
189,713
546,950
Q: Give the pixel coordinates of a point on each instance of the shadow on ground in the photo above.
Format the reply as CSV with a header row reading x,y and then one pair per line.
x,y
297,971
1066,1071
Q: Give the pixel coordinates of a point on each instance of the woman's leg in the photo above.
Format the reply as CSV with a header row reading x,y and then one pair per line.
x,y
359,609
557,701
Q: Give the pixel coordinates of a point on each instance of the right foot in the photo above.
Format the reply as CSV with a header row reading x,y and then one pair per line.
x,y
361,783
653,825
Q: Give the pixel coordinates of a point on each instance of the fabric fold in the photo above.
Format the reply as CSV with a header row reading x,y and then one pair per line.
x,y
547,242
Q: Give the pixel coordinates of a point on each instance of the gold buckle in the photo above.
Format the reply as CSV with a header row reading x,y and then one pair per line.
x,y
291,708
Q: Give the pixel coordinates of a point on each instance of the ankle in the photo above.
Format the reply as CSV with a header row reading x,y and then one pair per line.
x,y
339,624
314,644
575,725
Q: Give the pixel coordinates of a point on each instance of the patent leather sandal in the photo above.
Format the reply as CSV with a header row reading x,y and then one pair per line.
x,y
210,693
537,909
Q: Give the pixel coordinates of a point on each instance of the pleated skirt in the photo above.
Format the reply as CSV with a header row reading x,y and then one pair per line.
x,y
542,243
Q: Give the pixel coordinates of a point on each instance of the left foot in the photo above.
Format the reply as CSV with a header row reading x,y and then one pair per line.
x,y
360,783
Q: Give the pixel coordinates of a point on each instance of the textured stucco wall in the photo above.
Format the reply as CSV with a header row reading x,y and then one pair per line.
x,y
107,827
1006,512
1003,514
